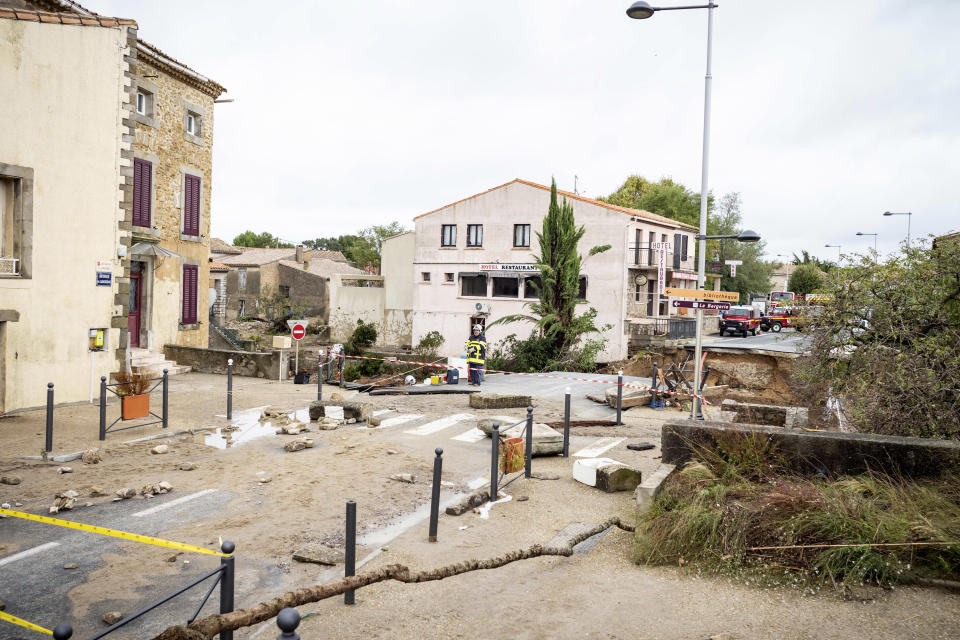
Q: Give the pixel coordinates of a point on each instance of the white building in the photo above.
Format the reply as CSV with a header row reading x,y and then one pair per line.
x,y
473,260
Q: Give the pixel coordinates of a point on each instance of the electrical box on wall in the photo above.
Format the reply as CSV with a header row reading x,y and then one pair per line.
x,y
97,339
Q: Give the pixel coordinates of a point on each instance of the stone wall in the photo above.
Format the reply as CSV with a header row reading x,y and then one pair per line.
x,y
245,363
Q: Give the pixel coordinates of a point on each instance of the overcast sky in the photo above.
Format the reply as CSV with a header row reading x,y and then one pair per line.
x,y
349,114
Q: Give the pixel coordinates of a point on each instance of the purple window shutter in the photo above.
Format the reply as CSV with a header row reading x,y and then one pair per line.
x,y
189,294
146,217
191,210
142,178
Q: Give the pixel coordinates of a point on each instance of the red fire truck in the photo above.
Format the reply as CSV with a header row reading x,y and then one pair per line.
x,y
778,318
742,320
780,299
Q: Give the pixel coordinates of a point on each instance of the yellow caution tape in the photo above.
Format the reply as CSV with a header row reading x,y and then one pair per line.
x,y
136,537
24,623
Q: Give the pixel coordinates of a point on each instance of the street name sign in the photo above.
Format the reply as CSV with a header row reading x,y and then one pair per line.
x,y
710,306
725,296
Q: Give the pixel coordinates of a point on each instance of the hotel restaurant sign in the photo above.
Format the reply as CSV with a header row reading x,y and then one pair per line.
x,y
511,268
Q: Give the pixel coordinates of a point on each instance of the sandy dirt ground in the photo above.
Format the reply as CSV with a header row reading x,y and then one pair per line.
x,y
601,594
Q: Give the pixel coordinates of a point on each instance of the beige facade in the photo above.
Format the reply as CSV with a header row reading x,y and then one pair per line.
x,y
396,265
459,285
62,154
174,114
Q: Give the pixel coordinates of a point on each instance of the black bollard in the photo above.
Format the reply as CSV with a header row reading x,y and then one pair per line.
x,y
226,584
320,375
435,495
103,407
62,632
350,559
654,384
288,620
49,442
566,423
528,452
494,462
166,399
619,396
230,389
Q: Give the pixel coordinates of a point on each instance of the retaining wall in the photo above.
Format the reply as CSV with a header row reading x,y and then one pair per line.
x,y
245,363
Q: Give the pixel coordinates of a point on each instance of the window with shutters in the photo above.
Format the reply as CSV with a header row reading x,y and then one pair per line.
x,y
191,205
142,193
188,314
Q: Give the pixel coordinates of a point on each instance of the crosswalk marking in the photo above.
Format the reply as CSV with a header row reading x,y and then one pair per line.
x,y
474,435
439,425
381,412
598,447
400,419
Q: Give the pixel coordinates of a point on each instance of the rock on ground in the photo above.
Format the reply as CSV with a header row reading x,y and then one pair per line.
x,y
62,470
467,502
91,456
499,401
298,445
96,492
10,480
187,466
112,617
126,492
160,449
319,554
631,397
357,410
404,477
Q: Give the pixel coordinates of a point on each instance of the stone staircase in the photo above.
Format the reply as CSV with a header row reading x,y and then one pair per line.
x,y
153,364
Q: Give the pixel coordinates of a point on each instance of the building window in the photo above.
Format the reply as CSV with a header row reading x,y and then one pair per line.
x,y
473,285
425,276
16,221
243,307
448,235
474,235
242,279
284,291
142,192
144,102
582,293
192,123
506,287
521,235
191,205
448,277
189,308
531,287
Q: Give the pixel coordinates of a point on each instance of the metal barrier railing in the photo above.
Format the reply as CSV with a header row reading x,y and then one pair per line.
x,y
163,381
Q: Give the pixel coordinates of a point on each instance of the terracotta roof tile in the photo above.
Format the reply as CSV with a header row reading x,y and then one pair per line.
x,y
325,267
63,17
638,213
28,15
218,266
6,13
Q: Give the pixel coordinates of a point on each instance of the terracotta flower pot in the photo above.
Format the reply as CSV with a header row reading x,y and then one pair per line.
x,y
133,407
512,455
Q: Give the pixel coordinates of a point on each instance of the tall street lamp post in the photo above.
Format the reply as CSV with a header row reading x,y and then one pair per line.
x,y
839,249
642,10
860,233
902,213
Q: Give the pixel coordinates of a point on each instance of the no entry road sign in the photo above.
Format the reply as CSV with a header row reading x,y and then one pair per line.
x,y
298,329
712,306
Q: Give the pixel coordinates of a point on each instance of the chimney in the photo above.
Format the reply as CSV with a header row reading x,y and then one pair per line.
x,y
300,253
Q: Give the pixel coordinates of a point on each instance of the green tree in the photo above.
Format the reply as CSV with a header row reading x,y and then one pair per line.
x,y
753,276
886,342
806,278
362,249
805,258
666,198
554,313
260,240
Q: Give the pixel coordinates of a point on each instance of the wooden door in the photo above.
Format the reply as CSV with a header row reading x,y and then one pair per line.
x,y
133,314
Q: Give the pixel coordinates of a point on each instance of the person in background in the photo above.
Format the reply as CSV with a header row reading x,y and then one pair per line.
x,y
476,355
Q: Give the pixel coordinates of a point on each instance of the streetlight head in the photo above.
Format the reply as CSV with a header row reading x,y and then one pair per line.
x,y
887,213
640,10
859,233
748,236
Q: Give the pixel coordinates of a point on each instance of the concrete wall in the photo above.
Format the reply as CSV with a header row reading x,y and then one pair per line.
x,y
245,363
162,139
351,303
249,294
307,290
399,285
61,118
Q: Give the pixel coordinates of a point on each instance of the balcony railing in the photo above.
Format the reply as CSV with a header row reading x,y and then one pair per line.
x,y
9,266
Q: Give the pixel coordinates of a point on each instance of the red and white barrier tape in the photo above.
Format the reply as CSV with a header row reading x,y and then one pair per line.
x,y
535,375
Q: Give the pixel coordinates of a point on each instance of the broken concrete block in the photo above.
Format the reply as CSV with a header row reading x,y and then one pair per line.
x,y
299,445
187,466
126,492
113,617
91,456
631,397
606,474
546,441
404,477
160,449
499,401
647,490
357,410
468,502
62,470
319,554
10,480
293,428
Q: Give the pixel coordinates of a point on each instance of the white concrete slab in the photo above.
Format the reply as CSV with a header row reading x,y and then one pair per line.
x,y
598,447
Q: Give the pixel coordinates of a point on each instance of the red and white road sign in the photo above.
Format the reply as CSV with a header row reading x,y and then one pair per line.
x,y
298,331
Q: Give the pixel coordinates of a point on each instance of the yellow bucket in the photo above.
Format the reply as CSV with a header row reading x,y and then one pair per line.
x,y
434,379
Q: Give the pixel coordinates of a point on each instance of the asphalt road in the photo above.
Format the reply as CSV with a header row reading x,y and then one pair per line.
x,y
787,341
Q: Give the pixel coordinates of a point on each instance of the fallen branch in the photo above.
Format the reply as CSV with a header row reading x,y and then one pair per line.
x,y
206,628
863,544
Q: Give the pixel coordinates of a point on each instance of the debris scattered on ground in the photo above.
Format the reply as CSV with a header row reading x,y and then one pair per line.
x,y
5,505
187,466
91,456
96,492
468,502
299,445
173,557
485,400
263,477
522,498
64,501
544,475
126,492
10,480
392,452
292,428
461,528
319,554
336,396
72,565
606,474
160,449
112,617
157,488
278,416
404,477
62,470
640,446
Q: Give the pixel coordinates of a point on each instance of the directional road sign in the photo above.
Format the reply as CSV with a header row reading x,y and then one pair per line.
x,y
712,306
726,296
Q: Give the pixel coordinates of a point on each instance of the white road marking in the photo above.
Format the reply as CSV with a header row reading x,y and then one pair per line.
x,y
474,435
439,425
172,503
598,447
381,412
476,483
28,553
400,419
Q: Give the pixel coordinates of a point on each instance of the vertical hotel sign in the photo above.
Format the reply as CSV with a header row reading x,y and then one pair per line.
x,y
662,248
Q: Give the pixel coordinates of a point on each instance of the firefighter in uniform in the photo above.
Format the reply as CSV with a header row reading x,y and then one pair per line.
x,y
476,355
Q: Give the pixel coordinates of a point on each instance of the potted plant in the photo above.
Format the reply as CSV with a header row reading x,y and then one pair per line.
x,y
512,455
134,397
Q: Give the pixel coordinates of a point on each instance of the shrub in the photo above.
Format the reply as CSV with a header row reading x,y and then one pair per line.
x,y
361,339
535,353
351,373
370,367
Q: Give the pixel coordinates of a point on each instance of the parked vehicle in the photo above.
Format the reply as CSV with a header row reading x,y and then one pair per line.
x,y
780,299
742,320
779,318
